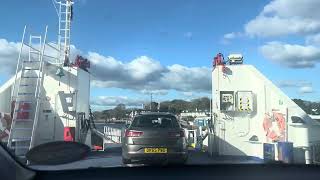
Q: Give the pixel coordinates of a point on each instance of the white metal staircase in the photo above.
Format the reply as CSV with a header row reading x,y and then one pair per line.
x,y
26,94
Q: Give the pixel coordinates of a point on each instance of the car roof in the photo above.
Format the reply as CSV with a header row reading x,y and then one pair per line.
x,y
155,113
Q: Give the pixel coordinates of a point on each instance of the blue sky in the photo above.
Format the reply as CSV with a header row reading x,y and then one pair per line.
x,y
184,32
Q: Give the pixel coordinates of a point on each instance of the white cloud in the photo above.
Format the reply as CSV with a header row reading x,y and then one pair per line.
x,y
291,8
144,67
8,56
154,92
313,39
109,72
115,100
230,36
275,26
138,74
305,89
302,86
9,52
142,73
189,94
293,83
291,55
284,17
147,74
182,78
174,77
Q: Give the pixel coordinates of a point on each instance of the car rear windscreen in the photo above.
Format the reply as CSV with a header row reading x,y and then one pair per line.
x,y
155,121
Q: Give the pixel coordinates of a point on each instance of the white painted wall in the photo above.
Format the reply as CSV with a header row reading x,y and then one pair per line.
x,y
83,88
5,94
235,128
75,81
52,119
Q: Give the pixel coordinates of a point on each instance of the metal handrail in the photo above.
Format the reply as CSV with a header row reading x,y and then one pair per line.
x,y
14,87
38,94
18,63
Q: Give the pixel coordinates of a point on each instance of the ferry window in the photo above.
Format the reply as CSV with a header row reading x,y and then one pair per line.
x,y
155,122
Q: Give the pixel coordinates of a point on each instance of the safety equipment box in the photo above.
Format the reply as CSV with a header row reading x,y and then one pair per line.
x,y
227,100
244,102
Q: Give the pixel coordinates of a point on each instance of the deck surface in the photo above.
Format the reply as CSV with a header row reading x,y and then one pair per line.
x,y
111,157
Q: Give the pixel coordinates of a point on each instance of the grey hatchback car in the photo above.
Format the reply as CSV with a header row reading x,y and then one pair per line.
x,y
154,136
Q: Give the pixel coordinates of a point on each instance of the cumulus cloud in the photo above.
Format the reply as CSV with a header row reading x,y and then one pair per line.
x,y
143,73
230,36
109,72
182,78
275,26
291,55
285,17
174,77
313,39
8,56
155,92
189,94
305,89
148,75
9,52
302,86
293,83
291,8
115,100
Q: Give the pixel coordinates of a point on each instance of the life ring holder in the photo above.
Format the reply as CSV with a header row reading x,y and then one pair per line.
x,y
281,123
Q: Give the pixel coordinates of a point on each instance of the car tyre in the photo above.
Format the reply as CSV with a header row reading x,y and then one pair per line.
x,y
184,160
126,161
181,161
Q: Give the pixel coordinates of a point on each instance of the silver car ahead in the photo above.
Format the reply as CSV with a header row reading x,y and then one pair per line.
x,y
154,136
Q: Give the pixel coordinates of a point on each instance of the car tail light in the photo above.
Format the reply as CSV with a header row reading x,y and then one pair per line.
x,y
177,134
132,133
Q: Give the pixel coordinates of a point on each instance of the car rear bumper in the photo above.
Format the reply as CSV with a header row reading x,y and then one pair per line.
x,y
134,152
171,157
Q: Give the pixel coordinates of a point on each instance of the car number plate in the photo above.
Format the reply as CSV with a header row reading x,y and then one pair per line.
x,y
155,150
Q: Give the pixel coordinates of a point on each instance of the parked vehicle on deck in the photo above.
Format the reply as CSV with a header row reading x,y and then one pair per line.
x,y
154,136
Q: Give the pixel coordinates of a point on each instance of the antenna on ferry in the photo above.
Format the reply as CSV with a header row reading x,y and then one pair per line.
x,y
65,14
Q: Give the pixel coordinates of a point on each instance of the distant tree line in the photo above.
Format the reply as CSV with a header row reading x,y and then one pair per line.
x,y
119,112
176,106
308,106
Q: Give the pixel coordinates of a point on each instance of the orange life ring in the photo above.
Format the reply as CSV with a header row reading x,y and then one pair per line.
x,y
267,124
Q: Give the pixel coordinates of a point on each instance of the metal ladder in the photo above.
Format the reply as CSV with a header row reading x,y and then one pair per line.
x,y
64,13
26,94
